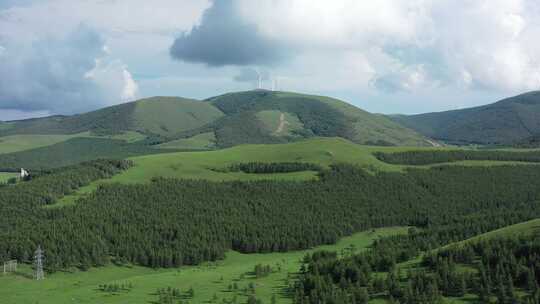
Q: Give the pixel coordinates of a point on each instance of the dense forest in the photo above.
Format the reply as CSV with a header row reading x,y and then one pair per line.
x,y
498,270
171,222
442,156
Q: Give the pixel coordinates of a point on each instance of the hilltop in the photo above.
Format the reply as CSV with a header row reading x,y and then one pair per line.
x,y
510,121
267,117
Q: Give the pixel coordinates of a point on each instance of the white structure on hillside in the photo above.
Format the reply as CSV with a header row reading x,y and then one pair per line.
x,y
259,78
10,266
38,263
24,173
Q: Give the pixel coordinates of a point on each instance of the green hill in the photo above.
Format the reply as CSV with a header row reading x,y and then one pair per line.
x,y
227,120
151,116
170,115
509,121
273,117
73,151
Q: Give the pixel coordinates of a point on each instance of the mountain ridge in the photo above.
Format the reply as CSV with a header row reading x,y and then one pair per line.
x,y
505,122
232,118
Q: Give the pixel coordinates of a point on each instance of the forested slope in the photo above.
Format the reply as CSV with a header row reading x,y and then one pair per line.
x,y
506,122
427,157
173,222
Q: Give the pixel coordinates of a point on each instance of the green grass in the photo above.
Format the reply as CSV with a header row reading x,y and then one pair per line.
x,y
210,165
16,143
201,165
206,279
203,141
4,176
322,151
5,125
128,136
69,200
72,151
170,115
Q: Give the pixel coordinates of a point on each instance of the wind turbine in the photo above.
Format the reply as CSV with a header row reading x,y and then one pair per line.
x,y
274,83
259,85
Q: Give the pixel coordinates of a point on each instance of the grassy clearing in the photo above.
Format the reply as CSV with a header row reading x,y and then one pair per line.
x,y
322,151
170,115
4,176
69,200
16,143
128,136
202,165
207,280
203,141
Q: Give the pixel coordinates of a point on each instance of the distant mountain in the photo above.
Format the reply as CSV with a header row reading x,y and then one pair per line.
x,y
510,121
257,116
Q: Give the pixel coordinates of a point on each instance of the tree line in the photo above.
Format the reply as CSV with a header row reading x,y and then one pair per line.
x,y
498,270
446,156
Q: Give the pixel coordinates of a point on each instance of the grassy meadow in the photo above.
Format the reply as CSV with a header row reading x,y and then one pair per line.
x,y
203,141
16,143
211,165
4,176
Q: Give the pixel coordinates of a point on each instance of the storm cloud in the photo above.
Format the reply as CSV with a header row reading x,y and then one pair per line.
x,y
224,38
50,73
61,74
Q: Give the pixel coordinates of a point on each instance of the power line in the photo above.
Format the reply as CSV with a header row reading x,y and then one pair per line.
x,y
38,261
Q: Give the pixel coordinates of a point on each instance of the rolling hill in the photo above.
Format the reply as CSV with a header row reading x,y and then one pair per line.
x,y
272,117
506,122
157,115
236,118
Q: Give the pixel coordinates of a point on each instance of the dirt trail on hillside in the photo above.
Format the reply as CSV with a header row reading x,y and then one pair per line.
x,y
434,143
282,123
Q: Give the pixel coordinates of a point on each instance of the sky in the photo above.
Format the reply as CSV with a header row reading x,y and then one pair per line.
x,y
385,56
